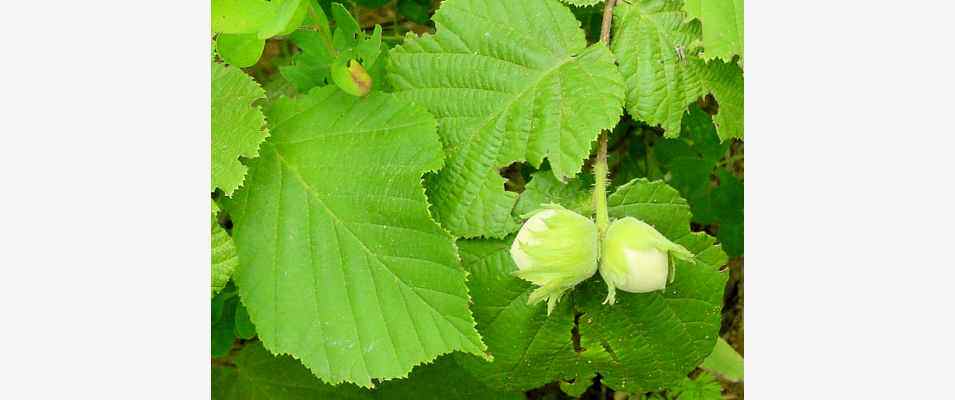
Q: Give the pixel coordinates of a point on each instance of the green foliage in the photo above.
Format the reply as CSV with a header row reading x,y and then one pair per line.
x,y
659,58
529,347
239,50
244,25
696,164
725,81
724,361
238,127
704,387
229,321
652,340
507,81
324,51
257,374
340,259
646,341
368,256
722,26
653,45
224,258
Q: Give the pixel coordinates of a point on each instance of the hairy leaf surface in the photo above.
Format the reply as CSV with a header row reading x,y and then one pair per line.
x,y
653,46
238,127
260,375
341,264
508,81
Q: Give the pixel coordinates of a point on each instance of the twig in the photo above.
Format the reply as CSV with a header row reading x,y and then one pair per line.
x,y
605,24
600,164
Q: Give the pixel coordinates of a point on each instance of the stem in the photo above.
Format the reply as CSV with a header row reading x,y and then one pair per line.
x,y
325,34
600,187
601,172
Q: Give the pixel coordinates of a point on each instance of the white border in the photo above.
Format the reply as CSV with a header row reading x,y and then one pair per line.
x,y
104,210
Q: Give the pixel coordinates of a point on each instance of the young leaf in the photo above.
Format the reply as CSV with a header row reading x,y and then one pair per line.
x,y
310,67
652,340
341,263
529,347
240,50
260,375
722,26
238,127
724,361
321,57
653,46
244,25
508,81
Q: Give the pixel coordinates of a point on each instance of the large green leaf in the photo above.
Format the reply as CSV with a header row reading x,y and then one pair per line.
x,y
722,26
341,263
260,375
238,127
652,340
529,347
508,81
653,45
